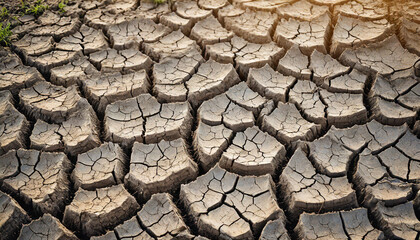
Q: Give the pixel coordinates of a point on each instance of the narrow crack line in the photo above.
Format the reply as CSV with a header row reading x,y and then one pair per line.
x,y
343,224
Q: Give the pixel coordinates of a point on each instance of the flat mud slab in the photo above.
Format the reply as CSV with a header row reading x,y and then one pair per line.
x,y
212,119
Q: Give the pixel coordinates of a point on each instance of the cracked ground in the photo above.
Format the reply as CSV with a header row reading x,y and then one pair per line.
x,y
212,119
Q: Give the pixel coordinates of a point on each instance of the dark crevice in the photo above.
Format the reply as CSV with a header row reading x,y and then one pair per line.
x,y
188,219
344,225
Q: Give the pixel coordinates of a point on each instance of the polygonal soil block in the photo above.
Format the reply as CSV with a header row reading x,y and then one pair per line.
x,y
100,167
144,119
92,212
253,152
226,205
159,167
38,179
47,227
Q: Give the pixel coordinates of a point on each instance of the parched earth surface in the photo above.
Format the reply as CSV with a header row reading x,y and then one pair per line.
x,y
212,119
